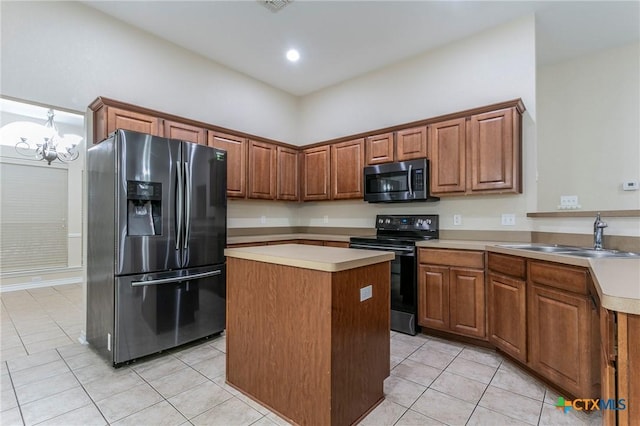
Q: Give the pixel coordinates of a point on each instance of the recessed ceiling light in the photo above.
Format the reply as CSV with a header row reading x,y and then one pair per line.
x,y
293,55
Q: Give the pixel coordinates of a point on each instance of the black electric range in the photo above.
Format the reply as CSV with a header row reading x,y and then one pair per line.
x,y
399,234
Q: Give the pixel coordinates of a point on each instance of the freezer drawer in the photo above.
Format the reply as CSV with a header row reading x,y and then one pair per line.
x,y
155,312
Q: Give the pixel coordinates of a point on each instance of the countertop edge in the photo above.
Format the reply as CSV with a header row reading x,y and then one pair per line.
x,y
608,299
372,258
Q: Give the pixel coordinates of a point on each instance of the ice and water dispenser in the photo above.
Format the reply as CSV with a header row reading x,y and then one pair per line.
x,y
144,208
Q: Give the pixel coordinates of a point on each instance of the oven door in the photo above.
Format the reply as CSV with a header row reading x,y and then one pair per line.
x,y
404,295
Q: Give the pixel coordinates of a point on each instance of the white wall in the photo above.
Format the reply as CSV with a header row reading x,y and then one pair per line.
x,y
589,130
66,54
494,66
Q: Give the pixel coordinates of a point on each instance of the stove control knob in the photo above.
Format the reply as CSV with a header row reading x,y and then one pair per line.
x,y
380,221
388,221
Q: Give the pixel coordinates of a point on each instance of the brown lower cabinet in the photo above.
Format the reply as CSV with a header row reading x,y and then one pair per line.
x,y
564,333
507,312
620,362
451,293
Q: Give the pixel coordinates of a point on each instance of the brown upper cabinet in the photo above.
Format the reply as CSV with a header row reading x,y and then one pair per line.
x,y
236,148
347,161
288,173
447,143
262,170
333,172
380,148
411,143
477,154
106,119
405,144
184,132
316,178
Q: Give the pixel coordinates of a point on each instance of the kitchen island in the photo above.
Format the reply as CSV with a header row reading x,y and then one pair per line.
x,y
308,330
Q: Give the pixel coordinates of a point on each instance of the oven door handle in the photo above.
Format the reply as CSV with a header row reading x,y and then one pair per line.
x,y
404,251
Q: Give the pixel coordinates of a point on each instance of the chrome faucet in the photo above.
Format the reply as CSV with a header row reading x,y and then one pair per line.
x,y
598,232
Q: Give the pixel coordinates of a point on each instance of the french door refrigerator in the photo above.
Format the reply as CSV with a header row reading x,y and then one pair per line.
x,y
155,244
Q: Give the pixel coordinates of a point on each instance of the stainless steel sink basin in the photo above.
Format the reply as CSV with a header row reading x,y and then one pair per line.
x,y
545,248
573,251
603,253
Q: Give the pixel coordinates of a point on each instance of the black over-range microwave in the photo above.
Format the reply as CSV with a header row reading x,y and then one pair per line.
x,y
403,181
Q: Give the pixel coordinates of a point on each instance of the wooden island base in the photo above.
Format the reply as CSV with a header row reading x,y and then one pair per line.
x,y
300,341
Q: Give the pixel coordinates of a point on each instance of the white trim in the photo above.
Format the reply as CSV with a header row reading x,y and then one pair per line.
x,y
39,284
83,338
75,235
32,272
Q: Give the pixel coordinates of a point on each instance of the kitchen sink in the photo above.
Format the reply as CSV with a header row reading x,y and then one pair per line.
x,y
603,253
573,251
542,247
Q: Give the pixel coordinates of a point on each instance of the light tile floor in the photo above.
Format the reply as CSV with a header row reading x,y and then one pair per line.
x,y
48,378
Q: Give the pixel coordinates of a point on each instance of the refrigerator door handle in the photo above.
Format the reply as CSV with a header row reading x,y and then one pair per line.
x,y
176,279
187,226
179,203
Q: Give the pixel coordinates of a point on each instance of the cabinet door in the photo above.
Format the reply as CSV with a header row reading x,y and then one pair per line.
x,y
560,338
494,151
466,302
411,143
315,175
379,149
629,367
288,183
122,119
236,148
262,170
184,132
433,297
507,313
347,162
447,156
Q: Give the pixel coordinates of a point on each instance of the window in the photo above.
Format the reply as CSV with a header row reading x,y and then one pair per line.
x,y
33,220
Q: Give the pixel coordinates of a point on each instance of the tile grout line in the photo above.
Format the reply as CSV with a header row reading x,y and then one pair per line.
x,y
14,393
83,388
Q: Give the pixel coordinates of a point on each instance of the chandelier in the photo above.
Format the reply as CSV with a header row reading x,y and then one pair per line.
x,y
52,145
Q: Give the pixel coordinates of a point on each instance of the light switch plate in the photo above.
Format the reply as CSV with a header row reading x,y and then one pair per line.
x,y
366,293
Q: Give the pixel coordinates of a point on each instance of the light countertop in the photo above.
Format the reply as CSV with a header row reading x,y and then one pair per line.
x,y
617,280
328,259
283,237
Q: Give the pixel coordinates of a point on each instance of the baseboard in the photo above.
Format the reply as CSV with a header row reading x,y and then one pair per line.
x,y
39,284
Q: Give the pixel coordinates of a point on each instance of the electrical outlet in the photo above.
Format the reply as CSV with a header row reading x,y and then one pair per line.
x,y
509,219
263,219
630,185
569,202
457,219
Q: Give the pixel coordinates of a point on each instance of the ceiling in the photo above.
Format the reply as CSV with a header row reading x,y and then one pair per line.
x,y
339,40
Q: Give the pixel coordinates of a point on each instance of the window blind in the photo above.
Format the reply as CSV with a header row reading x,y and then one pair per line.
x,y
33,217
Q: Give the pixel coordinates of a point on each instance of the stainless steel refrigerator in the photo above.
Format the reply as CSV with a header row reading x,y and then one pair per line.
x,y
157,212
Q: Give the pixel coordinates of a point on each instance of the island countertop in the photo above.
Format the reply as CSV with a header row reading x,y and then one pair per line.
x,y
329,259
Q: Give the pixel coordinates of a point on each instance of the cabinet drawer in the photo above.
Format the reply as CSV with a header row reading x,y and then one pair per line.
x,y
507,265
559,276
469,259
